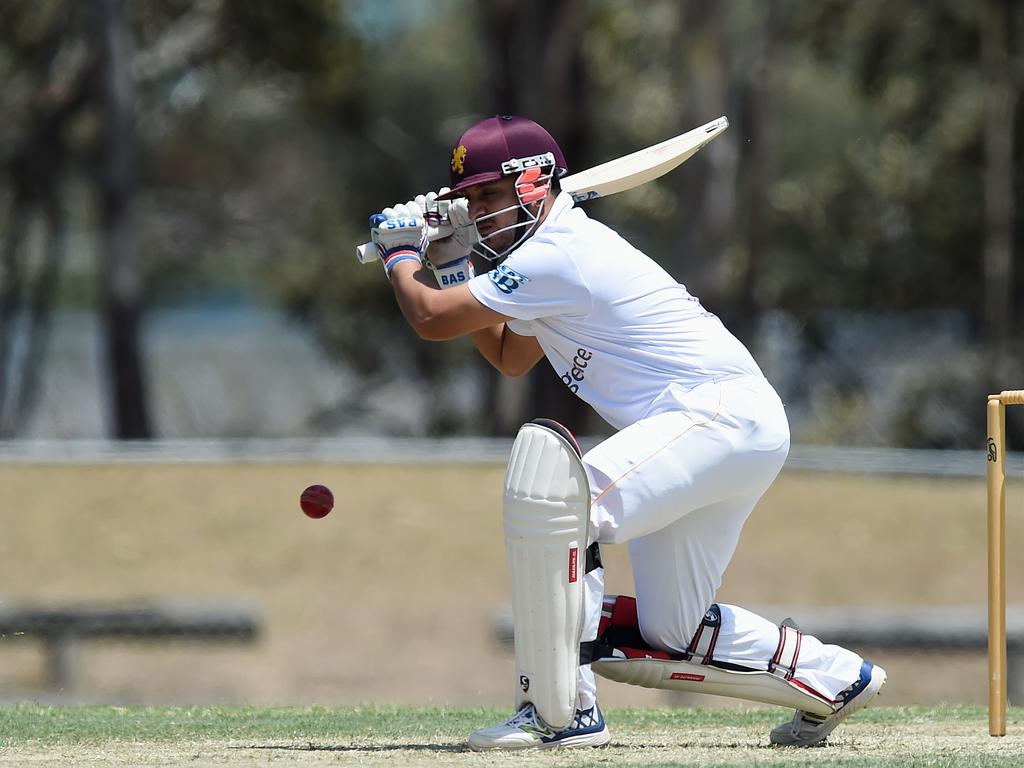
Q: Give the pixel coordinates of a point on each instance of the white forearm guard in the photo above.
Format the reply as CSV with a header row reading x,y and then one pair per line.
x,y
452,273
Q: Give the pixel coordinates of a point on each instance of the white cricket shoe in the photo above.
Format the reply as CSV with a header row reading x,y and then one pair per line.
x,y
526,729
808,730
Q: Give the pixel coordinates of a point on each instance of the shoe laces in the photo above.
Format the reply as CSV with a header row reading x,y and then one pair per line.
x,y
585,718
526,716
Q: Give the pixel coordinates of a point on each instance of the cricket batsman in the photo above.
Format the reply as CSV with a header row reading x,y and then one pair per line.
x,y
701,435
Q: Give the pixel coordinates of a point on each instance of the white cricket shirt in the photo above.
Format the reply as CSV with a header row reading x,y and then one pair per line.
x,y
613,324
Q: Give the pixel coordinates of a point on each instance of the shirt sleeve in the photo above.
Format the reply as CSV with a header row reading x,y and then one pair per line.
x,y
537,280
521,327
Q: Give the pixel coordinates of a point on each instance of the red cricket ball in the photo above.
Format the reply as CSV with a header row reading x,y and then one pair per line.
x,y
316,501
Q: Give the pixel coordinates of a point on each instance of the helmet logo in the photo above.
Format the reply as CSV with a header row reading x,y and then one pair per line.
x,y
459,159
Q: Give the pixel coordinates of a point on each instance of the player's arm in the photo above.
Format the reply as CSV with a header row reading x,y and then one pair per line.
x,y
438,315
435,314
506,350
401,236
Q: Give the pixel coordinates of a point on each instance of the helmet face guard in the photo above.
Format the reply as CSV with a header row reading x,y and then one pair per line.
x,y
532,185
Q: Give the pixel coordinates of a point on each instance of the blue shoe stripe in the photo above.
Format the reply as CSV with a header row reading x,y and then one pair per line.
x,y
593,716
848,695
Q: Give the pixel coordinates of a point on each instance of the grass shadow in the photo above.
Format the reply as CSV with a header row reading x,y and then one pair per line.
x,y
311,747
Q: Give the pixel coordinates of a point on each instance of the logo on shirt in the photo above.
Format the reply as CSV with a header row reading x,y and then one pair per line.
x,y
576,374
506,280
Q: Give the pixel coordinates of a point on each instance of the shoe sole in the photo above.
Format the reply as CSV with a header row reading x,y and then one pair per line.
x,y
868,695
598,739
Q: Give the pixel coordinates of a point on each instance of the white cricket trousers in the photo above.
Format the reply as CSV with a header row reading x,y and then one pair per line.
x,y
678,486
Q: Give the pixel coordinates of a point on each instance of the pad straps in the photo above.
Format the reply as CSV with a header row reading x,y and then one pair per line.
x,y
783,663
702,646
618,635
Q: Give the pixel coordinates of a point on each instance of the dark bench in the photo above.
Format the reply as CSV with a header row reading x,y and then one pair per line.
x,y
64,628
932,629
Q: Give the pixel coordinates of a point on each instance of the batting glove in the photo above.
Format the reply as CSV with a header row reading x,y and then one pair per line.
x,y
464,229
400,234
446,256
435,213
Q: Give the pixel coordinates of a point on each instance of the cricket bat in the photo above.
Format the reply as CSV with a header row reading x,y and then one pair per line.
x,y
622,173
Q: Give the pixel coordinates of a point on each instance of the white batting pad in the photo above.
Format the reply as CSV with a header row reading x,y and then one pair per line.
x,y
702,678
546,503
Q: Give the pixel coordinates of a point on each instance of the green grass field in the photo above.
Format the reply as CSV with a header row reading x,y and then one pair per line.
x,y
315,736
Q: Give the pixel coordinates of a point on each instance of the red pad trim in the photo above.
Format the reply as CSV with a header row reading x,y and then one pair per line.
x,y
624,612
617,611
816,694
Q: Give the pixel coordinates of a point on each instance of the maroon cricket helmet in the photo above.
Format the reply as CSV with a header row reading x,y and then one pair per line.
x,y
480,151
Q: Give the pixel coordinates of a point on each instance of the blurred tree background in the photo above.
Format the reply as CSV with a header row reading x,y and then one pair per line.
x,y
856,226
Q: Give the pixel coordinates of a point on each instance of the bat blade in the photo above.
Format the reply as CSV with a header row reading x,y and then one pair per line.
x,y
623,173
640,167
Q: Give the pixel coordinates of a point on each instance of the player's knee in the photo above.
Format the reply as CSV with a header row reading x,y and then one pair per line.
x,y
669,630
562,431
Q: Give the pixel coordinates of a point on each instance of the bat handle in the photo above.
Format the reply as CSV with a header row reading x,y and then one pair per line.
x,y
366,253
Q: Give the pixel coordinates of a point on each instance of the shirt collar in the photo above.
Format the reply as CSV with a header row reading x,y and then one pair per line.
x,y
563,202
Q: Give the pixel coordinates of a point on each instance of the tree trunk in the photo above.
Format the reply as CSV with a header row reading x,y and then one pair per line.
x,y
753,118
120,289
537,71
34,174
10,298
1000,109
40,312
